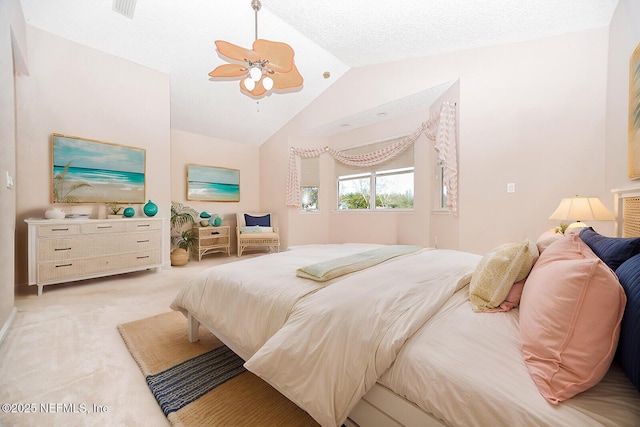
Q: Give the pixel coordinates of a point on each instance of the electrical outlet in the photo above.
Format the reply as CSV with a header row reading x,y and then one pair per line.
x,y
511,187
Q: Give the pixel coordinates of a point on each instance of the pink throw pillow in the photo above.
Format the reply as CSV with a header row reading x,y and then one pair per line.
x,y
511,301
570,316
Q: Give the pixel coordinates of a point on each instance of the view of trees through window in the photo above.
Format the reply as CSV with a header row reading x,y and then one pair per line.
x,y
392,189
309,198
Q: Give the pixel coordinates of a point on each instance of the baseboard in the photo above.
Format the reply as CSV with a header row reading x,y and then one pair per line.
x,y
7,325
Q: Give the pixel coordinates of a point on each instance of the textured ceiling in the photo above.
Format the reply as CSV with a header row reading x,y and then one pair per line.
x,y
177,37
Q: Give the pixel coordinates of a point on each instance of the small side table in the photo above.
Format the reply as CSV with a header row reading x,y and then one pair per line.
x,y
212,239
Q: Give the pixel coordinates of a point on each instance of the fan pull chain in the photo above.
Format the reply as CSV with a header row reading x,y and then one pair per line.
x,y
258,108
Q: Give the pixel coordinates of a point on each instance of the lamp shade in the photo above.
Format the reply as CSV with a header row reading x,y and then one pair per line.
x,y
581,209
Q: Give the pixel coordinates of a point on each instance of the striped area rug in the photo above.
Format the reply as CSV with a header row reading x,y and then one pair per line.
x,y
203,383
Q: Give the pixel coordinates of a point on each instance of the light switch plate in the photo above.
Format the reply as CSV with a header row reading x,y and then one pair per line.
x,y
511,187
9,180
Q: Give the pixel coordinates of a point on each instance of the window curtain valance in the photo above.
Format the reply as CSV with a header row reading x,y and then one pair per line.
x,y
440,130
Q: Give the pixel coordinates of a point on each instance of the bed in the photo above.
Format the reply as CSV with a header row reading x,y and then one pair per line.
x,y
417,354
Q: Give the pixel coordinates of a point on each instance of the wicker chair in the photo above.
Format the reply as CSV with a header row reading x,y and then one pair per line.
x,y
269,240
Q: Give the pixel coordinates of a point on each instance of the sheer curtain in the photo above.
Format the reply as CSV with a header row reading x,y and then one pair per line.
x,y
440,130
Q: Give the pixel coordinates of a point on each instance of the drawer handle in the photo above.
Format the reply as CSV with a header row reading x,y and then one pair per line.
x,y
60,229
64,265
62,249
105,226
143,257
144,225
143,241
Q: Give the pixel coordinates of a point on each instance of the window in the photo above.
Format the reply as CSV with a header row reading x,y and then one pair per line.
x,y
443,189
309,197
385,186
394,189
309,184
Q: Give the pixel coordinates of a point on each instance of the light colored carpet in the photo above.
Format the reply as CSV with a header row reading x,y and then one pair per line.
x,y
64,356
159,344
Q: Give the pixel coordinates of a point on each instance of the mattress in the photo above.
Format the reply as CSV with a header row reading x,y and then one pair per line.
x,y
466,369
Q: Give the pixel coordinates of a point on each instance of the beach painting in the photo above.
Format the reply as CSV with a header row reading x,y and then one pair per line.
x,y
634,115
213,184
89,171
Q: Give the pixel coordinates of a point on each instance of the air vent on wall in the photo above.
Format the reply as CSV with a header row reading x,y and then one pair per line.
x,y
125,7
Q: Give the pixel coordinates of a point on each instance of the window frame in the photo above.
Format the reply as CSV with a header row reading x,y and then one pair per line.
x,y
372,177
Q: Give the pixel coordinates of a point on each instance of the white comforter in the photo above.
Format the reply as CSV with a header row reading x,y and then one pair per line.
x,y
247,302
467,368
337,342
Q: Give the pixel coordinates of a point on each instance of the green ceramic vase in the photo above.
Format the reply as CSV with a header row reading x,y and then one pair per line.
x,y
150,209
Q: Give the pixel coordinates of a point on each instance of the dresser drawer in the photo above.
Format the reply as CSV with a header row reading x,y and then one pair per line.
x,y
138,259
56,249
141,241
133,225
114,226
59,270
58,230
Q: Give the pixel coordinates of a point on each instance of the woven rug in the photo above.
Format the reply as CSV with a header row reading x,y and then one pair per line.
x,y
203,383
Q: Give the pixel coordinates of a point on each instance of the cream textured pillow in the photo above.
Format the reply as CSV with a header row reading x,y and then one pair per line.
x,y
547,238
498,271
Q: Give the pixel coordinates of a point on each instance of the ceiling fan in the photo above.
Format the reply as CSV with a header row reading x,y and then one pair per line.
x,y
268,65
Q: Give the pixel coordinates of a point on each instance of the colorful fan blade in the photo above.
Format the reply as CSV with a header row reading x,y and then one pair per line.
x,y
287,80
229,70
280,55
238,53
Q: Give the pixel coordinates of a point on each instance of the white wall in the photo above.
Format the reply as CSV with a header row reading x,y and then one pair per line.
x,y
624,36
75,90
531,113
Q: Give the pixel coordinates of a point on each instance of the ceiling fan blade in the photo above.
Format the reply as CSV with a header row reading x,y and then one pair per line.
x,y
238,53
287,80
259,90
280,55
229,70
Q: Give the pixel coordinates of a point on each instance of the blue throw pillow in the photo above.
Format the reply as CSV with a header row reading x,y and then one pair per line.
x,y
628,353
612,250
262,221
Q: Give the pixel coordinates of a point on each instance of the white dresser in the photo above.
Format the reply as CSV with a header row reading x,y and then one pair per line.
x,y
75,249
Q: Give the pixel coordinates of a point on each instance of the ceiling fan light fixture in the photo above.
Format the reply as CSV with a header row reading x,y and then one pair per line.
x,y
249,83
255,73
267,82
268,65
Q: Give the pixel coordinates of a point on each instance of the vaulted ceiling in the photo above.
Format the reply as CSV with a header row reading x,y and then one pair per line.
x,y
177,38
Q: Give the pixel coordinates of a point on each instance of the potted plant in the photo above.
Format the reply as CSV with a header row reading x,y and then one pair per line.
x,y
182,239
114,210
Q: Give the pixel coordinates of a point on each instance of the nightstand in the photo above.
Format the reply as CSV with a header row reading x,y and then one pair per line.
x,y
212,239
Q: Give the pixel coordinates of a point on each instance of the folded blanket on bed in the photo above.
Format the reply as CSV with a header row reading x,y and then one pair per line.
x,y
327,270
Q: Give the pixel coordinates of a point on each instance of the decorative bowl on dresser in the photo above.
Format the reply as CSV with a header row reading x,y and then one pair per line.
x,y
67,250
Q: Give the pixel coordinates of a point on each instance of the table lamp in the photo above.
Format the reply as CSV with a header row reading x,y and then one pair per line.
x,y
580,209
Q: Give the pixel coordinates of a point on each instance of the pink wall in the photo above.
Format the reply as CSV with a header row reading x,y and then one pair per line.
x,y
531,113
79,91
192,148
13,48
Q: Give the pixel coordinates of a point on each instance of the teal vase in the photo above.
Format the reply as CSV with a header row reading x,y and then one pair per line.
x,y
217,221
129,212
150,209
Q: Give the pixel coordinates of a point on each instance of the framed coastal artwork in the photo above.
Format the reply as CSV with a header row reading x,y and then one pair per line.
x,y
89,171
212,184
634,115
